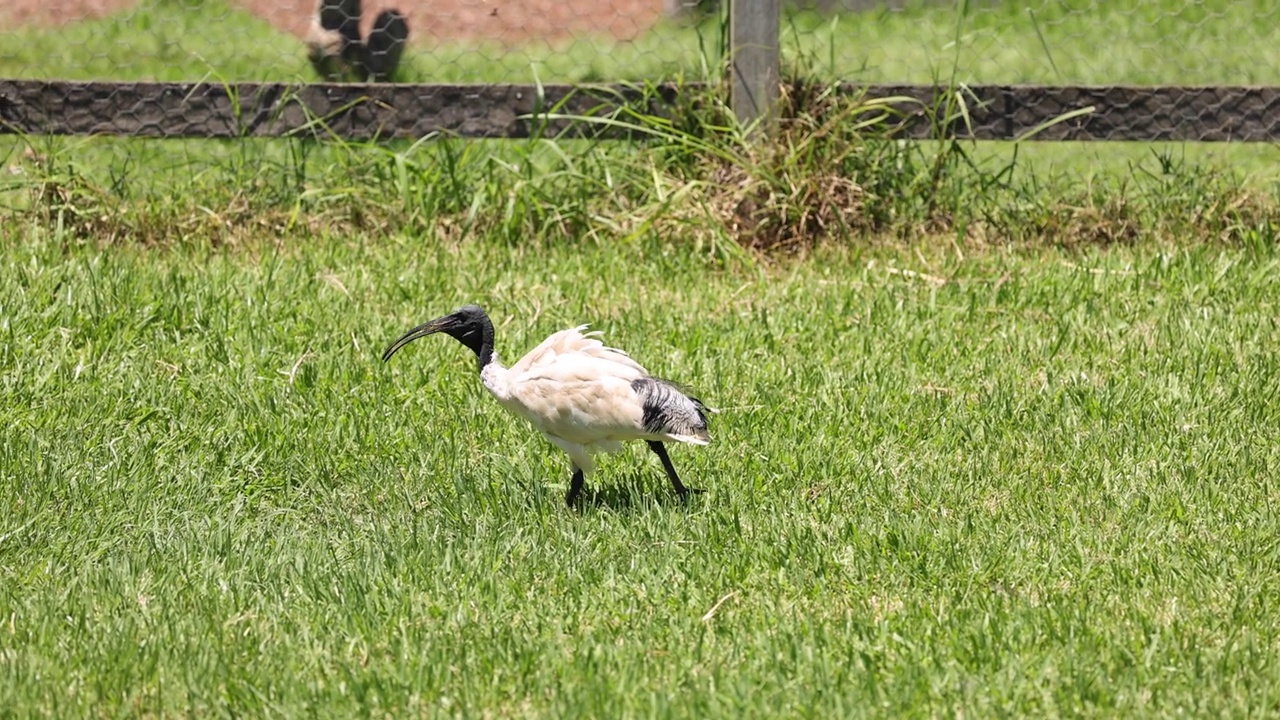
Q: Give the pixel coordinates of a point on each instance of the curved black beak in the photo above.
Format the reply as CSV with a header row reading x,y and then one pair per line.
x,y
448,322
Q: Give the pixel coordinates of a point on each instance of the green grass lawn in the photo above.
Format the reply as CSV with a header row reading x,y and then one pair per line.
x,y
1023,484
1143,42
956,472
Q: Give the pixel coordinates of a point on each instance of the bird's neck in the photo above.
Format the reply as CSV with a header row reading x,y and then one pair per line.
x,y
484,345
492,373
494,377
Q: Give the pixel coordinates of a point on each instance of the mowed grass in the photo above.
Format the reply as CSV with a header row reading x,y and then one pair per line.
x,y
944,482
1013,484
1130,42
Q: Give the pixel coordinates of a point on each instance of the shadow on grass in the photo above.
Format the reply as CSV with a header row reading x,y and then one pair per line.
x,y
636,489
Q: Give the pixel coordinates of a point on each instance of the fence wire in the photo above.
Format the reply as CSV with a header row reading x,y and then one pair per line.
x,y
1060,42
921,42
1104,42
444,41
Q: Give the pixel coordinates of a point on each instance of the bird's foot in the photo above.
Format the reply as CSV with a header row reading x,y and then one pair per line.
x,y
685,492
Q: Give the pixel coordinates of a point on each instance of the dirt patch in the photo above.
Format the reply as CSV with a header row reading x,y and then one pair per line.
x,y
58,12
506,21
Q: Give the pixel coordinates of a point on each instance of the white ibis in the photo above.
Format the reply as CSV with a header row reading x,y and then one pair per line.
x,y
583,396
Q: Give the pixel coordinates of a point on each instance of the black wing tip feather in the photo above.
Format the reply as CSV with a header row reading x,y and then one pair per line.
x,y
662,415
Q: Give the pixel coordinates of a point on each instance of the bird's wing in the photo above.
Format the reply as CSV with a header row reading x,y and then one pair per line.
x,y
581,399
572,386
572,342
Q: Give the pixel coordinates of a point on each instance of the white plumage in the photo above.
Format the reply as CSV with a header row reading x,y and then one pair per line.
x,y
583,396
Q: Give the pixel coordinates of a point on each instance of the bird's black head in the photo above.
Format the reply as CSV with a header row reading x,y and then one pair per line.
x,y
468,325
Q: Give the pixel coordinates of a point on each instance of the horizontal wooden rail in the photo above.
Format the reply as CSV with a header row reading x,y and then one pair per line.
x,y
361,112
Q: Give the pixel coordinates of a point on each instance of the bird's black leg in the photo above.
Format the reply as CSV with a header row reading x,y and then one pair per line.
x,y
575,486
661,450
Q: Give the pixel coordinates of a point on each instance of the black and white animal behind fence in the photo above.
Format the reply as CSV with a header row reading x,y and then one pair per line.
x,y
337,52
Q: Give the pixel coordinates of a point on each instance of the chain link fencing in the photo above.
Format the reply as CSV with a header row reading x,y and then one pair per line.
x,y
443,41
1058,42
921,42
1101,42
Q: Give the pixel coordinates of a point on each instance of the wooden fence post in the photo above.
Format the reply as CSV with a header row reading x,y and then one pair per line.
x,y
754,26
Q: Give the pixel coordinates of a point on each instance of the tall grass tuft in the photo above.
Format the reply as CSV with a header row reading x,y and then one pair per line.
x,y
836,170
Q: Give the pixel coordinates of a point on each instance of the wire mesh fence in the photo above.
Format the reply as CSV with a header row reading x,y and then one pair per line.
x,y
445,41
890,42
1061,42
1106,42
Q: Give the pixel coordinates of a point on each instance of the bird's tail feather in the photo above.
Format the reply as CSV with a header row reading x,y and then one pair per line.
x,y
670,412
702,437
